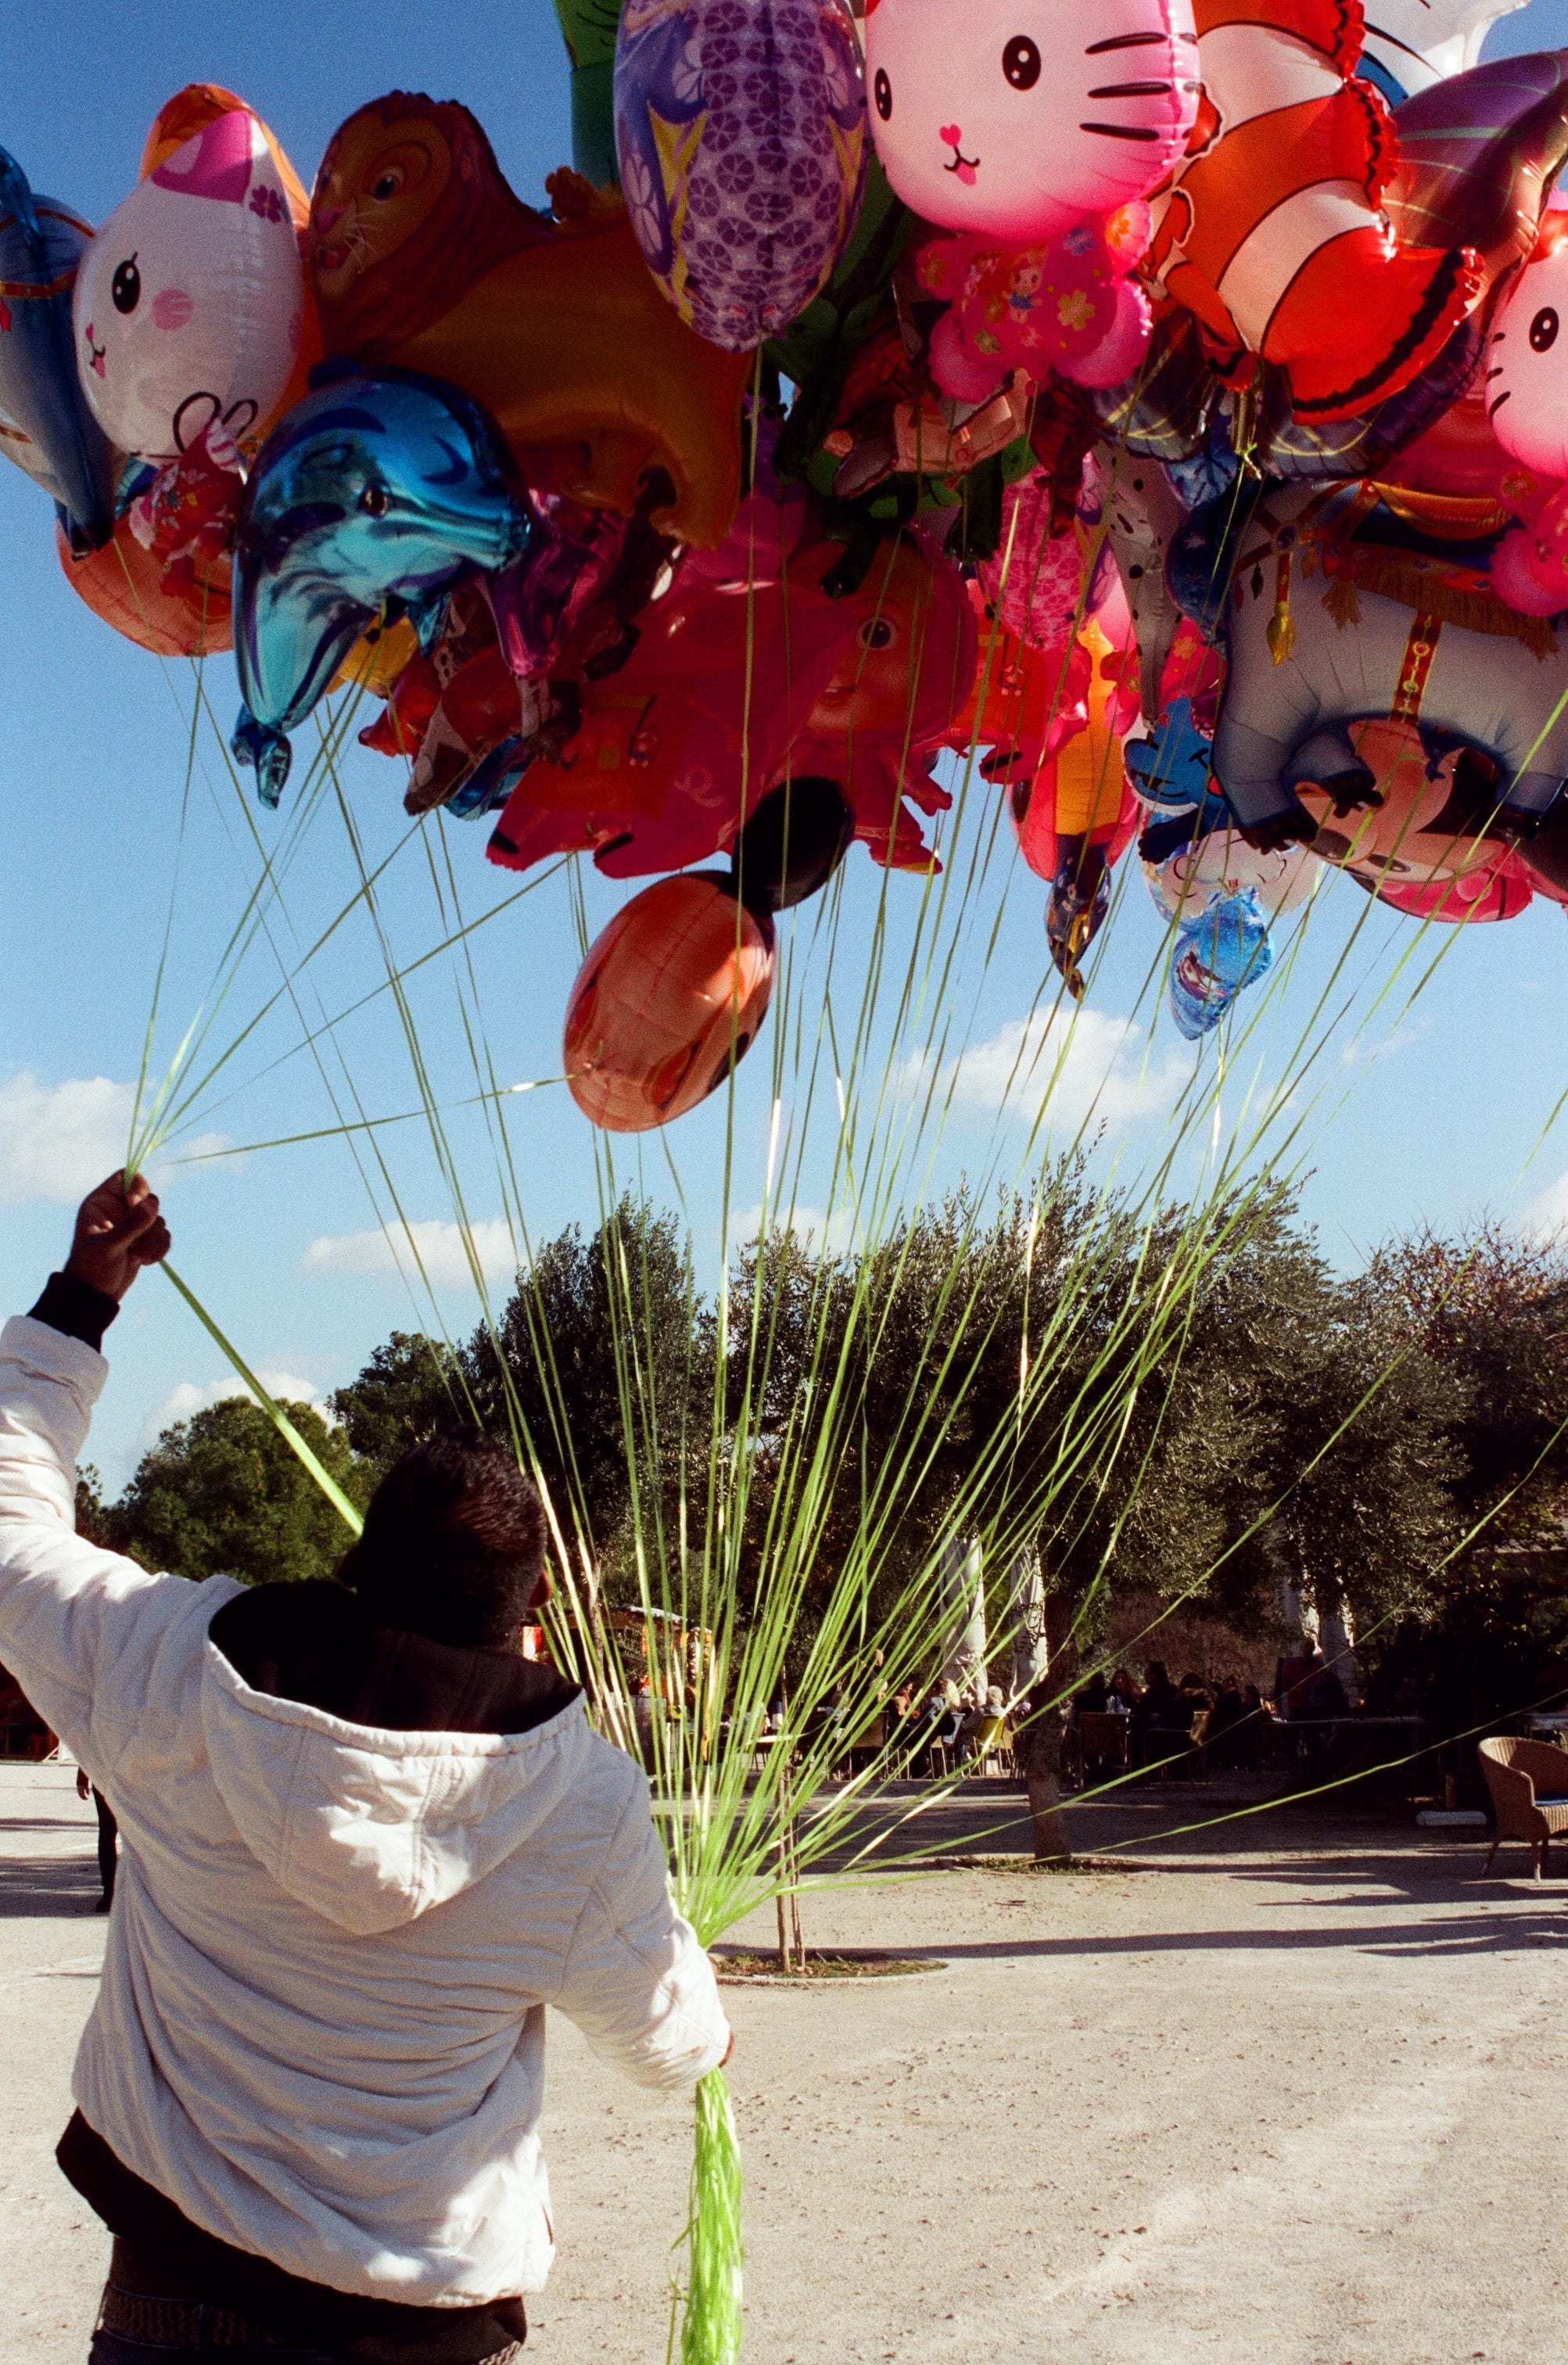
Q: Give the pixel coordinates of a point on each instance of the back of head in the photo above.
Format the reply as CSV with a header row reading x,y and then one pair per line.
x,y
452,1545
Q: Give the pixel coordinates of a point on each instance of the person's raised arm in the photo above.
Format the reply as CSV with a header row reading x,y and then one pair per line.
x,y
60,1596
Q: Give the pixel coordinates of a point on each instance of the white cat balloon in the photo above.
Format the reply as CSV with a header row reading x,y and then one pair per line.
x,y
188,303
1527,373
1015,118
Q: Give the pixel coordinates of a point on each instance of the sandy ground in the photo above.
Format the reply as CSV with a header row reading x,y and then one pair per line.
x,y
1293,2094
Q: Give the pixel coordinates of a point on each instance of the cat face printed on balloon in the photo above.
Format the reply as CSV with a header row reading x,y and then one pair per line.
x,y
1017,125
188,305
1527,373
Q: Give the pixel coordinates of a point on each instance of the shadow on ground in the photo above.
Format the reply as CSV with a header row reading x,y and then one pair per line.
x,y
44,1886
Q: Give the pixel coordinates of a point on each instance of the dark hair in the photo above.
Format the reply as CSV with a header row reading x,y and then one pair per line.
x,y
452,1545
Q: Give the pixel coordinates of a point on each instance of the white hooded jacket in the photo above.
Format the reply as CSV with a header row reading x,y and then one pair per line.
x,y
320,2030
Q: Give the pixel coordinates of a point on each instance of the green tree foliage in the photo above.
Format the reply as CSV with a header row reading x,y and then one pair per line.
x,y
951,1361
598,1368
1288,1423
411,1387
223,1493
1303,1431
1490,1310
1491,1313
95,1518
601,1365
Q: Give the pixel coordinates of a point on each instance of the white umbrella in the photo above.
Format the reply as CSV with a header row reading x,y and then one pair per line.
x,y
1025,1626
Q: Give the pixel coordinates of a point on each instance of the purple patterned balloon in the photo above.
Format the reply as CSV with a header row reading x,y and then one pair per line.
x,y
741,131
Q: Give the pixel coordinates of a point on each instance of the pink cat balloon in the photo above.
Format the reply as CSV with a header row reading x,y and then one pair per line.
x,y
1016,119
1033,131
1528,406
1526,387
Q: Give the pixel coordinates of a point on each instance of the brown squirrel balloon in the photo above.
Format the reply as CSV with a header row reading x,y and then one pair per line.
x,y
424,259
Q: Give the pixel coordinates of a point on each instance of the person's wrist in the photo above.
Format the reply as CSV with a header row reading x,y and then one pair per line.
x,y
76,1307
90,1275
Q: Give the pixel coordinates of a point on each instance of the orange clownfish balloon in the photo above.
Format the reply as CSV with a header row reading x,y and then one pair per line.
x,y
1270,230
671,995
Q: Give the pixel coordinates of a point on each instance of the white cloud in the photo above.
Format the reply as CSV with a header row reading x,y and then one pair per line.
x,y
833,1232
1082,1067
193,1149
1364,1048
1547,1213
438,1246
186,1398
57,1140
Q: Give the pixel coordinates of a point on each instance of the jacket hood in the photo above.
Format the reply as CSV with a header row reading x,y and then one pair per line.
x,y
369,1820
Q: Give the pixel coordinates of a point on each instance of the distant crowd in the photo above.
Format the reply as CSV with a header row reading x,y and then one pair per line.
x,y
1113,1720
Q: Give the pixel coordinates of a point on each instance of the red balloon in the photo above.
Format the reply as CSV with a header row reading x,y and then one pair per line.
x,y
670,996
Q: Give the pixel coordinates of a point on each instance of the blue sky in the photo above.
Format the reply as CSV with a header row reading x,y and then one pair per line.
x,y
1419,1108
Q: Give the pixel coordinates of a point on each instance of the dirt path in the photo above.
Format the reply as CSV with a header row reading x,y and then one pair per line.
x,y
1299,2104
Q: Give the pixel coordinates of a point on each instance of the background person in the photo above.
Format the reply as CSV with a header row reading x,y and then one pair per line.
x,y
1157,1709
1292,1676
1228,1713
108,1836
1124,1693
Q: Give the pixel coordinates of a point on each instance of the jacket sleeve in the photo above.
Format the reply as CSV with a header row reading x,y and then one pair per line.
x,y
635,1981
67,1609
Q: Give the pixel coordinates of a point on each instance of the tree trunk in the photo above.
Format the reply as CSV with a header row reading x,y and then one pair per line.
x,y
784,1964
1037,1747
789,1898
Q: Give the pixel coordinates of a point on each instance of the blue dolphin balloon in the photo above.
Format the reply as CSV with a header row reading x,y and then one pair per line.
x,y
371,495
45,424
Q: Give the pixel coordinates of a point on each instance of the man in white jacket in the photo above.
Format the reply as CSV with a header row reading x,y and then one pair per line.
x,y
363,1844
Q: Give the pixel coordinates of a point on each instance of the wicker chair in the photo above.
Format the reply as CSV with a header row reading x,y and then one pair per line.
x,y
991,1747
1528,1782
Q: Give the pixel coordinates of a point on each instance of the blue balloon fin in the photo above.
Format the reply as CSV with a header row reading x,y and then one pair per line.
x,y
266,751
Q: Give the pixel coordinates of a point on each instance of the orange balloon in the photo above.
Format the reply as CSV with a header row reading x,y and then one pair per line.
x,y
182,117
1091,783
124,584
379,660
671,995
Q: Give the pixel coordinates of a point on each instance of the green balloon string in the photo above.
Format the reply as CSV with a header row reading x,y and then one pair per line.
x,y
710,2327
